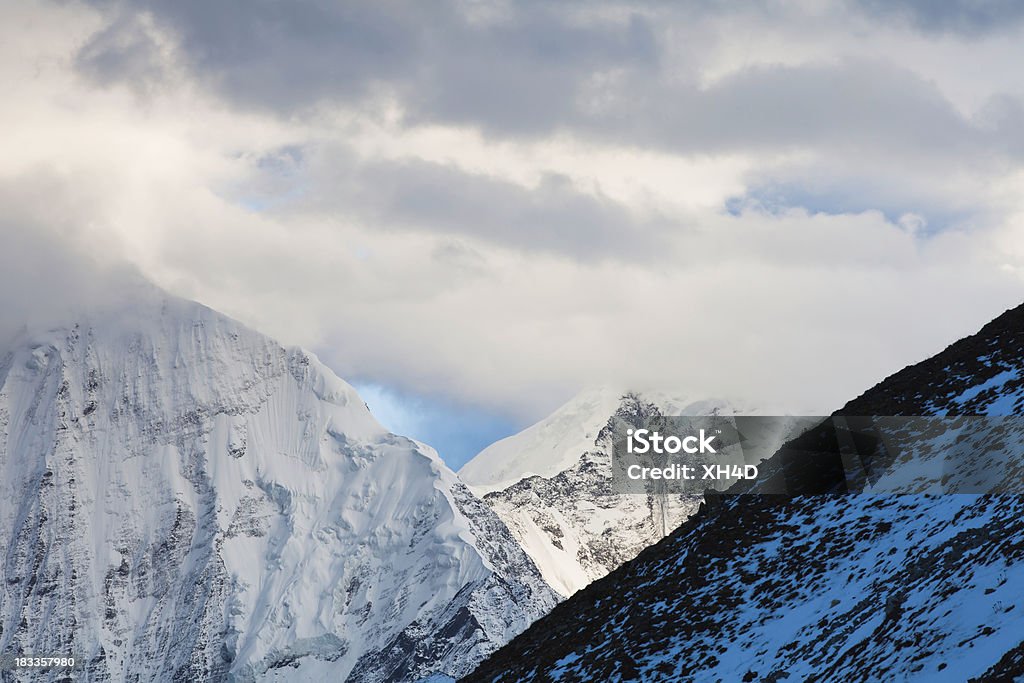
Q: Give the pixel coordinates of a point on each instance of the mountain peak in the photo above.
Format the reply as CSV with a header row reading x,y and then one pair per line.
x,y
549,484
556,442
824,587
194,500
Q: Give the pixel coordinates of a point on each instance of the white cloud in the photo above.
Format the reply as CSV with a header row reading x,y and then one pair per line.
x,y
525,277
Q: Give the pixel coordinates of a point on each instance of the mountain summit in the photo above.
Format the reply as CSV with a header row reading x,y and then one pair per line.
x,y
551,485
185,499
858,587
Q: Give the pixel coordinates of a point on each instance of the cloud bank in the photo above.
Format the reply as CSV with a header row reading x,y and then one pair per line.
x,y
500,203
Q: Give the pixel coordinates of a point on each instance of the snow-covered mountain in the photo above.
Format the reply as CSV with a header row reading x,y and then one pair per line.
x,y
551,485
182,498
856,587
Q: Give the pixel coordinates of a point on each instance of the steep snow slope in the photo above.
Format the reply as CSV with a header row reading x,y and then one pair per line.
x,y
181,498
856,587
546,448
864,588
556,443
560,504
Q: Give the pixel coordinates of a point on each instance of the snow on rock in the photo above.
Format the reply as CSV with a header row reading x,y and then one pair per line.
x,y
182,498
859,587
551,485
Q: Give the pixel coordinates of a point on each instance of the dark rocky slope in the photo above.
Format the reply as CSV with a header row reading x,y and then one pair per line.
x,y
833,586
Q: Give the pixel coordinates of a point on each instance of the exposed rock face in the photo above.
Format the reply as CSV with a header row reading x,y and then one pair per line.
x,y
855,587
551,485
182,498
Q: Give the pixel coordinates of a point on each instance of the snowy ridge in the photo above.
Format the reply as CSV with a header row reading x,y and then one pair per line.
x,y
856,587
546,448
560,505
556,443
898,588
185,499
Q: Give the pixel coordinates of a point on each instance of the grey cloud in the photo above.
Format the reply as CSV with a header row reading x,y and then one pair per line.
x,y
539,68
554,217
47,271
1003,117
856,105
533,69
281,56
285,56
126,50
970,18
886,139
528,75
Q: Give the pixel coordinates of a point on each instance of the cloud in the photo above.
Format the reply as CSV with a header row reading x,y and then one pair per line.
x,y
552,216
533,69
287,57
855,106
127,50
48,273
497,204
971,18
945,203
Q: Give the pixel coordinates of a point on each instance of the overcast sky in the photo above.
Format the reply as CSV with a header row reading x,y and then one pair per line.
x,y
474,209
